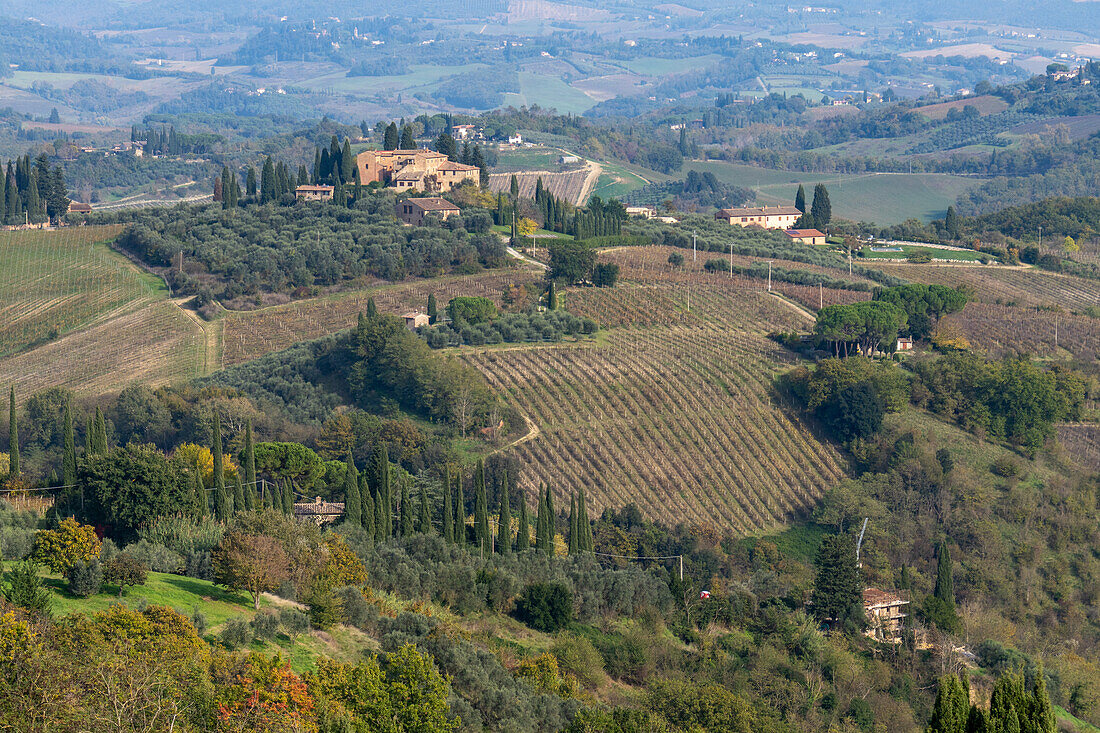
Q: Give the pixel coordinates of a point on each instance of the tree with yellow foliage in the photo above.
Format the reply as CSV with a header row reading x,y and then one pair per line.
x,y
526,226
61,548
189,455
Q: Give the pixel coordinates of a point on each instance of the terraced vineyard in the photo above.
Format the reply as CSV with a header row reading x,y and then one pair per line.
x,y
672,411
1022,286
251,334
154,344
54,282
1002,330
1082,443
567,185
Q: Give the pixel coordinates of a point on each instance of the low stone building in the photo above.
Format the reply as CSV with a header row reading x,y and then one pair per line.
x,y
314,193
413,210
885,613
806,236
320,511
416,319
766,217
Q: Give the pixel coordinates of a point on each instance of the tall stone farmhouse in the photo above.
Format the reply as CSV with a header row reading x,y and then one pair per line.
x,y
414,170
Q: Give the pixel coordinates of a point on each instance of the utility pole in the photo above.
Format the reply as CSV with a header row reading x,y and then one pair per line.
x,y
769,276
731,259
820,297
694,253
1040,236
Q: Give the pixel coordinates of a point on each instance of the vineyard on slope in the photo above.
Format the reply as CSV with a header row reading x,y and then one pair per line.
x,y
1021,286
251,334
672,411
1001,330
53,282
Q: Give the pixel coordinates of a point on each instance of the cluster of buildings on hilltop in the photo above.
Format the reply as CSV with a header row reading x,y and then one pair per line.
x,y
426,171
771,217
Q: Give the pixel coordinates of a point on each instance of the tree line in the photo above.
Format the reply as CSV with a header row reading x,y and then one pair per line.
x,y
34,191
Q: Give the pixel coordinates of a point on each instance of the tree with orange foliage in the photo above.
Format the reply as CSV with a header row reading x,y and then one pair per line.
x,y
259,693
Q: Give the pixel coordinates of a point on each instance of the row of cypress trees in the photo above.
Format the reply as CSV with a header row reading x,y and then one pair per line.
x,y
1012,708
244,495
95,441
368,503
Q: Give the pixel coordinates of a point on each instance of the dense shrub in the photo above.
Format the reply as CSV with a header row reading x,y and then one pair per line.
x,y
85,578
545,606
236,634
265,625
157,558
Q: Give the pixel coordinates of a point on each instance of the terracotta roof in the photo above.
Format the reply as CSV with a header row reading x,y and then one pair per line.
x,y
433,204
873,597
409,175
78,206
413,314
452,166
759,211
804,233
319,189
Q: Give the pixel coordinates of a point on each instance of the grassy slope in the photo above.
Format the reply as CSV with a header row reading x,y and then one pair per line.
x,y
95,321
886,198
548,92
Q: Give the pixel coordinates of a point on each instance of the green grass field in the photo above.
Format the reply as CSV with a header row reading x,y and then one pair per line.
x,y
218,605
616,180
54,282
537,158
661,67
419,77
882,198
548,92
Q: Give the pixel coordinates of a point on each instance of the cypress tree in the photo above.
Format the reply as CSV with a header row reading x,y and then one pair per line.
x,y
13,436
523,539
353,506
551,521
448,509
250,182
367,505
408,142
68,461
407,509
821,210
504,520
433,309
952,707
268,191
100,440
288,498
513,187
347,161
552,296
460,511
238,495
249,457
540,520
951,222
89,437
481,511
800,199
251,499
424,521
941,606
1041,714
222,507
837,592
303,176
390,140
201,503
585,525
574,525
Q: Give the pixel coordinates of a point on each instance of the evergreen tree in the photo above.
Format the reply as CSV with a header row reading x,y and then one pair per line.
x,y
433,309
250,182
951,222
303,176
390,140
952,707
585,527
446,144
408,523
460,511
424,520
347,161
288,498
68,461
89,437
238,495
26,590
481,512
251,500
504,520
513,187
249,462
353,506
57,201
201,502
448,510
838,589
367,505
574,525
800,199
100,439
1041,718
940,606
380,479
523,539
408,142
13,437
222,508
225,187
268,191
821,210
316,177
1008,704
552,296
